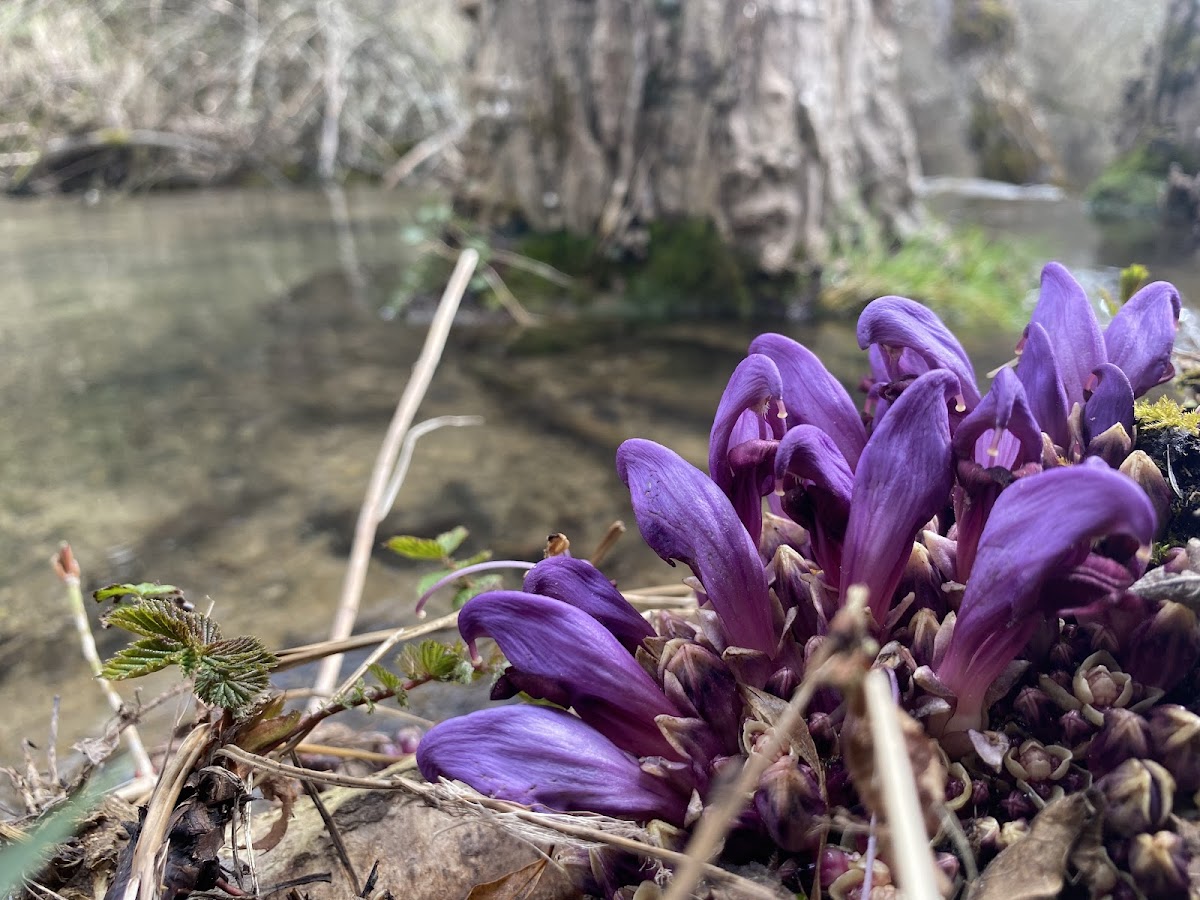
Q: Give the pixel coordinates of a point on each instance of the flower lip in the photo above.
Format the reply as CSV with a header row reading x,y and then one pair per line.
x,y
1141,336
548,639
683,516
754,384
1064,310
547,759
902,324
580,584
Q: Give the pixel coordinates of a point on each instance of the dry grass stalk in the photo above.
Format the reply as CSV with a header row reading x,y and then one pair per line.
x,y
306,653
548,826
406,410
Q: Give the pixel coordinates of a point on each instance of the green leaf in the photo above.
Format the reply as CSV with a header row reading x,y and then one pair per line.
x,y
390,681
451,540
436,661
141,658
425,582
411,547
144,591
481,556
231,687
242,652
477,586
161,618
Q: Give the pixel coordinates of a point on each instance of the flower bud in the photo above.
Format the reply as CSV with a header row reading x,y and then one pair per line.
x,y
924,626
780,531
1073,728
789,803
1100,685
1141,468
1162,650
1124,735
983,835
1034,762
1035,707
1139,794
698,676
1011,832
1112,446
1159,864
1016,806
1175,737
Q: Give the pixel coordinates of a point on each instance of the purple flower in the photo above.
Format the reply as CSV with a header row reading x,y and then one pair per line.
x,y
913,340
1063,354
565,655
903,479
999,441
1041,529
580,584
683,516
547,759
817,482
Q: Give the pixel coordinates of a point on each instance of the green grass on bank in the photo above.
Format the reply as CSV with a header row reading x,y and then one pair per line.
x,y
966,276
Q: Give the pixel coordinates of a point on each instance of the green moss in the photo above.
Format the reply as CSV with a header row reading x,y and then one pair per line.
x,y
1166,413
573,254
1130,187
966,276
690,269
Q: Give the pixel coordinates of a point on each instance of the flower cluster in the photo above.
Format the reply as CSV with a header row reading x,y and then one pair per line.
x,y
996,538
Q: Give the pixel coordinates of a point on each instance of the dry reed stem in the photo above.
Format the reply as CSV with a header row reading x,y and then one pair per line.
x,y
306,653
906,825
406,410
67,568
415,433
437,796
144,878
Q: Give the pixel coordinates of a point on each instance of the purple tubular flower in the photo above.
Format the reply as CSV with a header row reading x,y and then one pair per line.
x,y
1064,310
576,656
817,484
1111,403
578,583
682,515
547,759
997,439
898,324
813,396
1140,336
903,479
755,383
1039,527
1039,373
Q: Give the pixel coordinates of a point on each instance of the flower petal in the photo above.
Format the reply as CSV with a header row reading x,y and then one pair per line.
x,y
754,384
1064,310
812,395
1040,526
682,515
1141,336
580,584
547,639
903,479
1004,408
897,323
817,484
546,759
1111,403
1039,374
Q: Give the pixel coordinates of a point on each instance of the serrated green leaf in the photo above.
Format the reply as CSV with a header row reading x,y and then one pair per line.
x,y
451,540
144,591
436,661
241,652
412,547
481,556
476,587
141,658
425,582
232,688
161,618
387,679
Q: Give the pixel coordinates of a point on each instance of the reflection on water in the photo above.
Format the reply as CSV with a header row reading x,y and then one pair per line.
x,y
192,395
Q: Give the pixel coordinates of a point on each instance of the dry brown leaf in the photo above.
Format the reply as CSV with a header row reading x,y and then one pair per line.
x,y
516,885
1035,867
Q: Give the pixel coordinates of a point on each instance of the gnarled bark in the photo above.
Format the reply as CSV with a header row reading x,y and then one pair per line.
x,y
779,120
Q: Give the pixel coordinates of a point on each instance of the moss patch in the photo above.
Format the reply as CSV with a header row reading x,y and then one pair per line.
x,y
1166,413
966,276
1130,187
690,269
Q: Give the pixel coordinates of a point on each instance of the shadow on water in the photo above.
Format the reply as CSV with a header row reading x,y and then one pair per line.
x,y
193,394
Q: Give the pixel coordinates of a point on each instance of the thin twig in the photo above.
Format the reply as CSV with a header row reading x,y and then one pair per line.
x,y
545,271
415,433
410,400
331,829
67,568
507,298
350,753
432,795
906,825
298,656
615,530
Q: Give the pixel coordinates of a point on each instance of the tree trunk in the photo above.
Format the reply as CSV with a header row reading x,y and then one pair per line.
x,y
780,121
